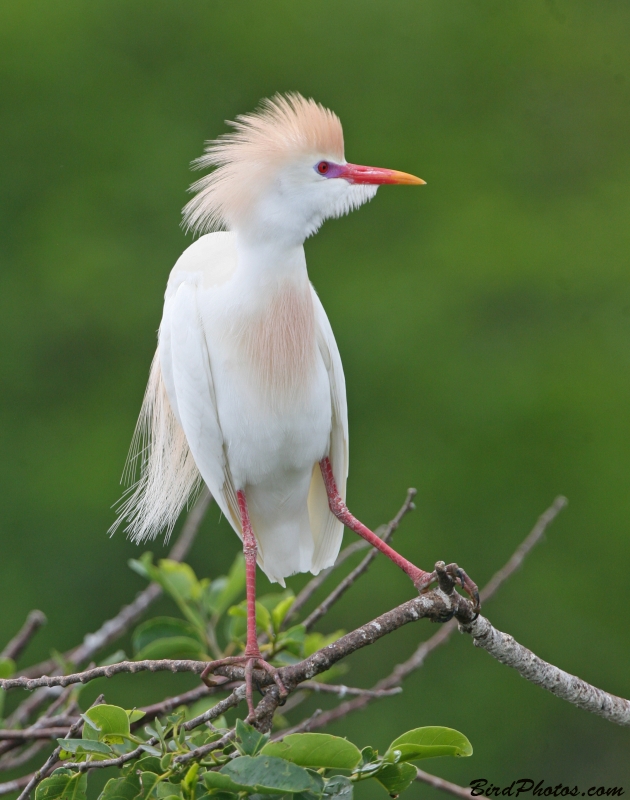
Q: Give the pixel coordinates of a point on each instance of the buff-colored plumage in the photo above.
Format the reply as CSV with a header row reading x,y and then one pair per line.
x,y
247,391
284,128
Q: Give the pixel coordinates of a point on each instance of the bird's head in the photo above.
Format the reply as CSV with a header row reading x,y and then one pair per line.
x,y
280,173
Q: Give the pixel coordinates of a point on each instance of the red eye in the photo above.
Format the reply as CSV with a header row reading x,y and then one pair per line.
x,y
323,167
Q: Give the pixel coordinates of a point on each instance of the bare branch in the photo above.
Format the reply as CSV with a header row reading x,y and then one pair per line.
x,y
34,733
14,786
13,762
201,752
34,621
114,628
505,649
343,691
415,661
444,786
544,521
149,665
347,582
314,584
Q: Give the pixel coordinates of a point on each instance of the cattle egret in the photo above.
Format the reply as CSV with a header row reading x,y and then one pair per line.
x,y
246,392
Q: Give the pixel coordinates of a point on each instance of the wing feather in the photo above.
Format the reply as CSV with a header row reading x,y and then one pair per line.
x,y
326,528
194,396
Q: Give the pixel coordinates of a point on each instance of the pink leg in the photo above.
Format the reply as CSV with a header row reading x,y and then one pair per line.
x,y
252,656
250,551
420,578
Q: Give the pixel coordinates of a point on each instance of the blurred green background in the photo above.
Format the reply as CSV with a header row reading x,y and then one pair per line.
x,y
483,320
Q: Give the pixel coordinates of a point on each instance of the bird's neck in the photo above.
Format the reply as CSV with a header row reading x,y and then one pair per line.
x,y
275,325
268,262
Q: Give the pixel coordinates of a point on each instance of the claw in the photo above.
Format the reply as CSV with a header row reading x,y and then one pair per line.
x,y
250,662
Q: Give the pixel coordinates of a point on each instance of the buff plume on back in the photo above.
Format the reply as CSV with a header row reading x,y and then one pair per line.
x,y
246,159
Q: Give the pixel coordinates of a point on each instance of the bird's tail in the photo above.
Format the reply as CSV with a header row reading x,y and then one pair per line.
x,y
160,470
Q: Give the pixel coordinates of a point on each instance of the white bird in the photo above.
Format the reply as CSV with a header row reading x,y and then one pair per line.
x,y
247,391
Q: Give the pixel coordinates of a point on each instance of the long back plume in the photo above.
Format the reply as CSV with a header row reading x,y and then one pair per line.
x,y
168,476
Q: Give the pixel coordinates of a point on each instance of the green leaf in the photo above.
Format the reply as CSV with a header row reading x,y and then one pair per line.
x,y
163,628
263,617
429,742
251,739
135,714
396,777
143,566
172,647
106,723
292,640
269,775
148,781
368,754
179,579
85,746
215,781
315,750
7,667
147,764
62,785
279,613
126,788
225,591
338,788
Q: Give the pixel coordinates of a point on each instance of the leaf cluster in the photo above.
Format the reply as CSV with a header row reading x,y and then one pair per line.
x,y
214,618
174,764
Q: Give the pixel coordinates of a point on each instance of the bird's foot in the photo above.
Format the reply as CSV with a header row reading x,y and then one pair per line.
x,y
448,576
251,661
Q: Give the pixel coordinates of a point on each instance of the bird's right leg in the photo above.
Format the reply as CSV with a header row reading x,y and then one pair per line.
x,y
421,579
252,657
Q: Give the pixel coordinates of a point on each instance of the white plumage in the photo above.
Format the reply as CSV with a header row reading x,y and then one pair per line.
x,y
247,391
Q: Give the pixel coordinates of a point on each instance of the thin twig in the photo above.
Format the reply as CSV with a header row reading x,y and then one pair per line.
x,y
303,596
442,785
347,582
54,756
34,733
114,628
201,752
521,552
344,691
108,671
14,786
14,649
13,762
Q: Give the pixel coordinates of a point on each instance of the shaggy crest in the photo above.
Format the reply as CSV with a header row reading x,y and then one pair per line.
x,y
282,128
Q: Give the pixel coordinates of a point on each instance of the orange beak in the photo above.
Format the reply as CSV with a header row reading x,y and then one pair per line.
x,y
377,176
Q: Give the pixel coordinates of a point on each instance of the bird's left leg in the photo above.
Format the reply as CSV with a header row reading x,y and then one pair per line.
x,y
420,578
252,657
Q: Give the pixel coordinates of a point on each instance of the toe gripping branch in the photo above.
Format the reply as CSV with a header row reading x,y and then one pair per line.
x,y
450,575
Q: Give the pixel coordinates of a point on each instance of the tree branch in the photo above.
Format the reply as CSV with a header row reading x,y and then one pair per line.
x,y
149,665
14,649
444,786
416,660
574,690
